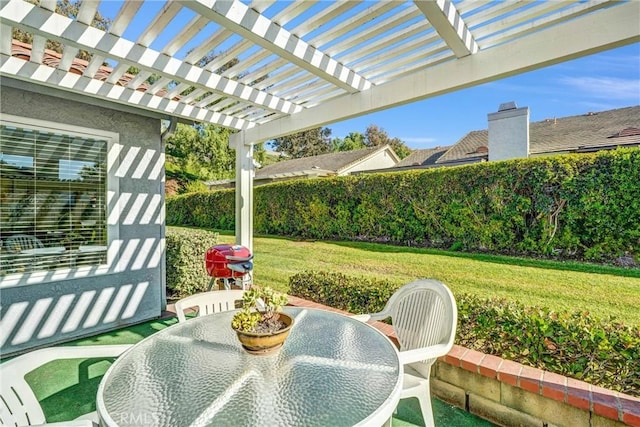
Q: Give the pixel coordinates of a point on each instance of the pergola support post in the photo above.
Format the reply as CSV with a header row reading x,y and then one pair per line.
x,y
244,195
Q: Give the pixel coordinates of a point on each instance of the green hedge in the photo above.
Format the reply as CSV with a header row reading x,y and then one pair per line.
x,y
584,207
186,248
599,351
341,291
211,209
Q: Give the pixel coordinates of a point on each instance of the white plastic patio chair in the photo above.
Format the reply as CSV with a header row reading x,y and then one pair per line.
x,y
424,317
209,302
19,405
21,242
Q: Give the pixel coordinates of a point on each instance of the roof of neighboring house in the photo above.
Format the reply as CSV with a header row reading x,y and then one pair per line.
x,y
585,132
425,157
469,148
323,164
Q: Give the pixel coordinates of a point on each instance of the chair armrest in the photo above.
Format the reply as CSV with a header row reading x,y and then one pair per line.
x,y
419,354
371,316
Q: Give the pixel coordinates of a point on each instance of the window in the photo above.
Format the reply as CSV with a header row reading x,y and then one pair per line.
x,y
53,189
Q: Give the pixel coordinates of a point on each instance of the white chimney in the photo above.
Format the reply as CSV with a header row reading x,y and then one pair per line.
x,y
508,132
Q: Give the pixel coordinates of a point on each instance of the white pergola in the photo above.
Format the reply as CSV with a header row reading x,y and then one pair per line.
x,y
303,64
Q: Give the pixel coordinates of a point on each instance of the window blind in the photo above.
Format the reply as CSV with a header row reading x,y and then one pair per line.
x,y
52,200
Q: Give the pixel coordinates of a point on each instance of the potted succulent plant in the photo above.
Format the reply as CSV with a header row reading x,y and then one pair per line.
x,y
261,325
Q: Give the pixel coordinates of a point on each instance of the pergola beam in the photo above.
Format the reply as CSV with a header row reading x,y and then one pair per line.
x,y
357,21
148,36
367,52
39,42
446,20
541,21
63,80
5,42
40,21
119,24
85,15
370,33
582,36
255,27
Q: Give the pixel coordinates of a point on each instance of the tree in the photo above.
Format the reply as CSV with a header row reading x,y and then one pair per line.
x,y
307,143
260,153
202,150
69,9
353,141
375,136
136,70
93,174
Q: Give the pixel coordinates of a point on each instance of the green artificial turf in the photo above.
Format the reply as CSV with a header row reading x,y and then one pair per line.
x,y
67,389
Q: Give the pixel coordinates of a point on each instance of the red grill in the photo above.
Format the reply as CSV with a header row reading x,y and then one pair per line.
x,y
229,262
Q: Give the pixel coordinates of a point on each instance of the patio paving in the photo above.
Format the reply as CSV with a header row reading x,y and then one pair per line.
x,y
66,389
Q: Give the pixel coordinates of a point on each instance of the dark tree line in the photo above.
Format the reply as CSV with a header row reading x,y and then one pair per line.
x,y
317,141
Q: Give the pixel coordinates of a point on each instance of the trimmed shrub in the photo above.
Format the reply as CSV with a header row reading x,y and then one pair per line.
x,y
603,351
599,351
342,292
577,206
186,249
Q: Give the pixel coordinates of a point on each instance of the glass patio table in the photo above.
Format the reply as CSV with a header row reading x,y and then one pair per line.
x,y
331,371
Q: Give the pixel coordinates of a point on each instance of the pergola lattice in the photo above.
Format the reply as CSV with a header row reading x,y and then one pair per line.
x,y
295,65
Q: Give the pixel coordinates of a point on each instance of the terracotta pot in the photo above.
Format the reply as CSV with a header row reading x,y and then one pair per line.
x,y
265,343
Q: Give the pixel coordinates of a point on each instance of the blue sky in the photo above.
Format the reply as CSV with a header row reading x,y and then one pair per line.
x,y
597,82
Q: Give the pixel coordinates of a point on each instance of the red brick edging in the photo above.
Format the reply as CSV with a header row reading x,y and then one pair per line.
x,y
601,401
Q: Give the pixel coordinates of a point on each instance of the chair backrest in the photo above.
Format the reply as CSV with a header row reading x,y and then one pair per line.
x,y
424,314
18,404
209,302
21,242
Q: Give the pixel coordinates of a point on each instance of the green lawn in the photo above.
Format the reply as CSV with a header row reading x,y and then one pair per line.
x,y
601,290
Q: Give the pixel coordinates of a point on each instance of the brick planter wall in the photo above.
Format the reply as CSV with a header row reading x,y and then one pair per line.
x,y
511,394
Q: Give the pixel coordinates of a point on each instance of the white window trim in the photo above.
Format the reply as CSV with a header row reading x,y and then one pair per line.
x,y
113,193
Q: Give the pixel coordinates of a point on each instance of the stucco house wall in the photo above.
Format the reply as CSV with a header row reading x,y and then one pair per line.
x,y
39,309
380,160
